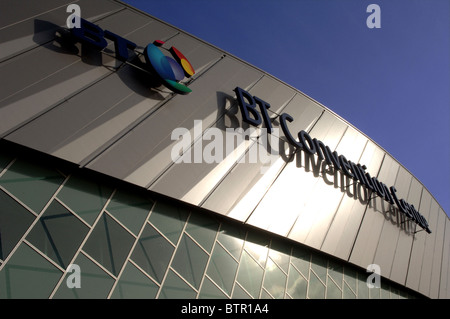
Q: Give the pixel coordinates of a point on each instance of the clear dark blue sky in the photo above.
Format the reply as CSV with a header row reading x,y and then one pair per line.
x,y
392,83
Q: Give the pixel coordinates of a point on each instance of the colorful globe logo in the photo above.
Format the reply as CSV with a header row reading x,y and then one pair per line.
x,y
170,71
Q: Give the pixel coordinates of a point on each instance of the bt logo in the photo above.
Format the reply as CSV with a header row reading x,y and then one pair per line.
x,y
169,71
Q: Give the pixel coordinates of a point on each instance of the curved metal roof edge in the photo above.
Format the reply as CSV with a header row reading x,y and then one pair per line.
x,y
288,85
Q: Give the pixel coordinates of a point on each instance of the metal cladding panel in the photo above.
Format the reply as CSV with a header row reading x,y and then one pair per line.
x,y
85,123
437,255
317,214
216,150
37,22
82,126
13,11
240,191
46,93
283,202
391,241
344,228
366,243
399,267
144,153
428,256
418,248
444,291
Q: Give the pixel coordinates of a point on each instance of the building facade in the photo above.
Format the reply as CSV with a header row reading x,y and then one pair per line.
x,y
195,188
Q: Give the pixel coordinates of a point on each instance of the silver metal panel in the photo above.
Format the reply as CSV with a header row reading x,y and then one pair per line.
x,y
363,252
40,26
199,179
387,243
342,233
430,242
242,189
76,129
437,255
444,286
418,249
14,11
143,154
40,96
279,209
399,267
317,214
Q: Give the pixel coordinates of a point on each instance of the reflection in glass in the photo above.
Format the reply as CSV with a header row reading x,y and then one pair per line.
x,y
190,261
250,275
169,220
203,229
222,269
14,222
232,238
333,291
34,185
348,293
84,197
257,246
175,288
28,275
131,210
133,284
58,234
316,288
210,291
95,283
152,253
274,280
297,284
109,244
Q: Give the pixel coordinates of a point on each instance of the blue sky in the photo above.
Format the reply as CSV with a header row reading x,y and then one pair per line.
x,y
392,83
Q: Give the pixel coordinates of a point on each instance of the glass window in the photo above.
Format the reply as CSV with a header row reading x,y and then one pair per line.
x,y
350,277
333,291
335,271
4,161
109,244
385,291
280,253
175,288
374,293
239,293
297,284
28,275
130,210
301,260
250,275
32,184
274,280
265,295
210,291
95,283
14,222
363,289
257,246
232,238
222,268
152,253
348,292
203,229
190,261
84,197
58,234
169,220
319,265
133,284
316,287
